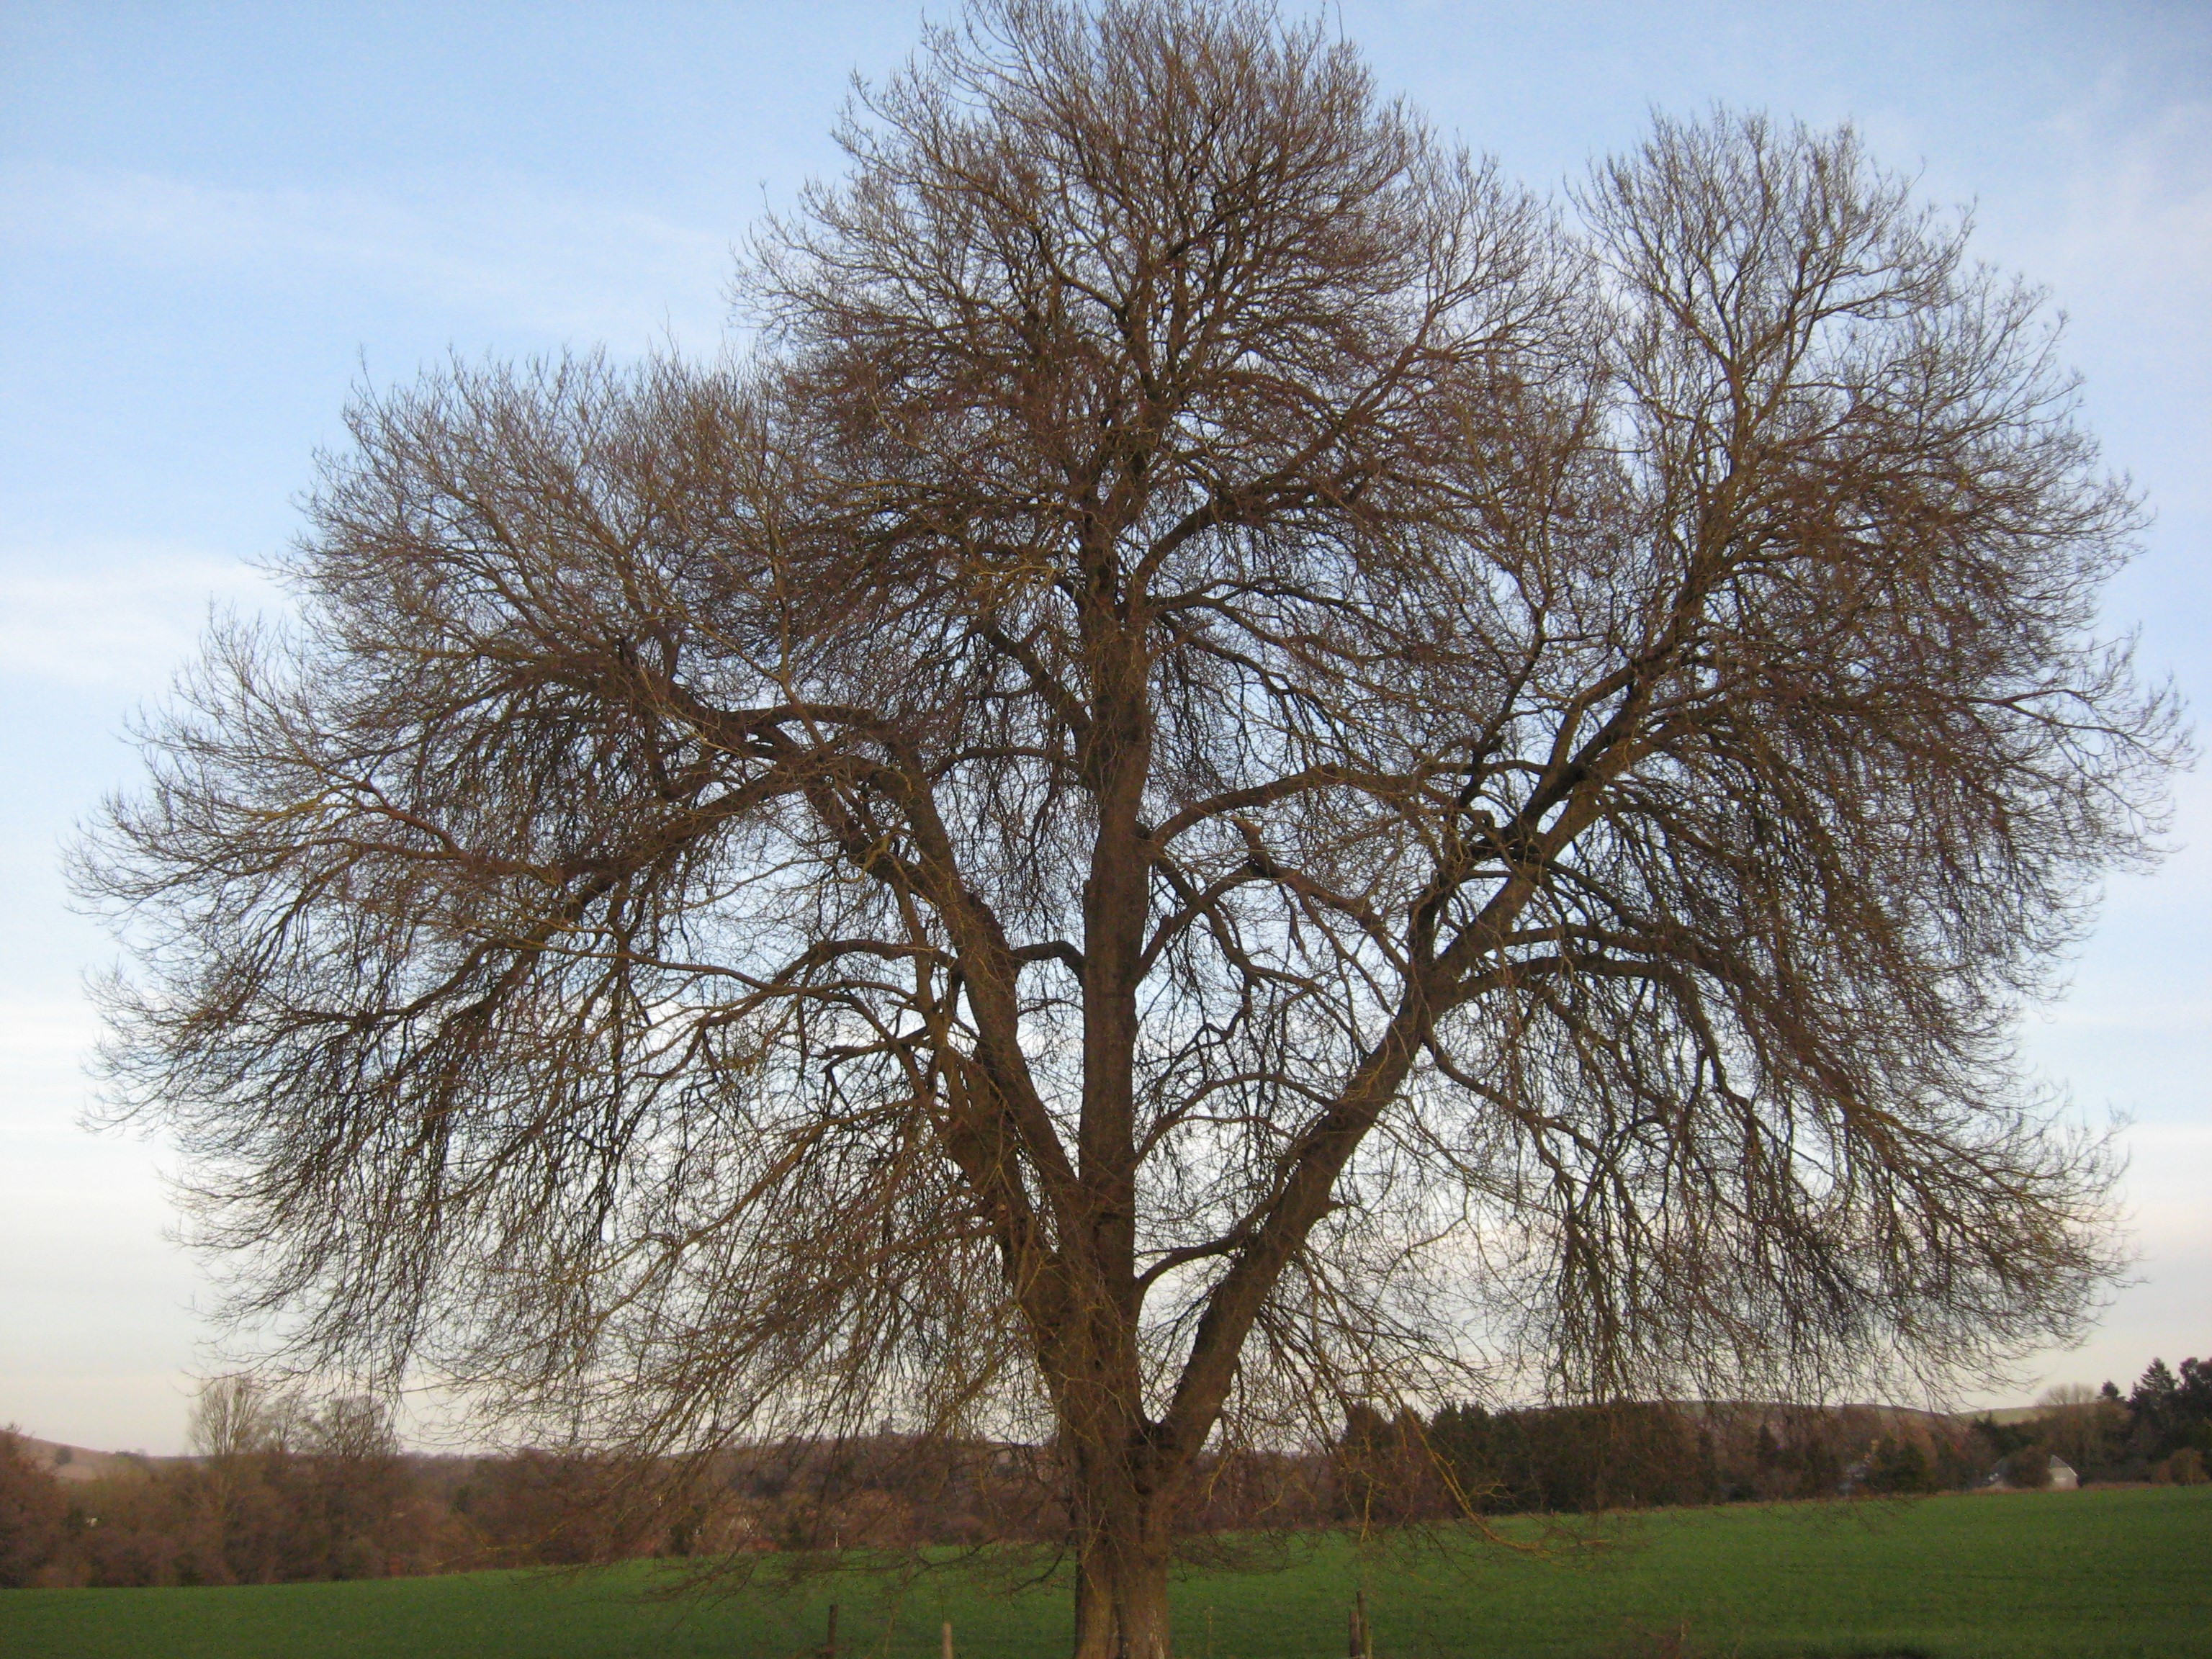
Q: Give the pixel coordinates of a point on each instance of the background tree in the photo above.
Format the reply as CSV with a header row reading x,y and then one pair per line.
x,y
2167,1415
1238,771
34,1515
2084,1427
284,1487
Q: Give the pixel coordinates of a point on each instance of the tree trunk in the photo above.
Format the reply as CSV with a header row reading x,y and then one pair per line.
x,y
1122,1548
1122,1591
1140,1604
1095,1630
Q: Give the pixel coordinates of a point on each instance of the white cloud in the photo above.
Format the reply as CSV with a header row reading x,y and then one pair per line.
x,y
43,1037
567,266
118,616
2169,1172
2137,207
2119,226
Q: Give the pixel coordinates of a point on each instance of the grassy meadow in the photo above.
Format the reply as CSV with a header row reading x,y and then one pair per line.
x,y
2102,1572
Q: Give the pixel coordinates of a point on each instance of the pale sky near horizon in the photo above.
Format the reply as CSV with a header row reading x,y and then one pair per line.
x,y
215,220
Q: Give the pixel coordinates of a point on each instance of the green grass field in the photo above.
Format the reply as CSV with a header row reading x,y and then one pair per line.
x,y
2094,1573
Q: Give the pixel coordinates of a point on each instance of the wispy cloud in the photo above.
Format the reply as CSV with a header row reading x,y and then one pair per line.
x,y
119,616
2170,1165
2136,223
46,1036
45,1041
565,265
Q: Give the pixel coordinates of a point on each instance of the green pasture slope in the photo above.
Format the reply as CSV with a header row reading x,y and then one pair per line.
x,y
2096,1573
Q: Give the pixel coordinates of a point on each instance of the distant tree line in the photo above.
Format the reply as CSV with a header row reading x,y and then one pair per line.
x,y
1585,1459
289,1492
2160,1431
281,1489
1580,1459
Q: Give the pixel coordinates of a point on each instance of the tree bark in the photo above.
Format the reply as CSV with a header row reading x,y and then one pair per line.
x,y
1140,1604
1095,1629
1122,1582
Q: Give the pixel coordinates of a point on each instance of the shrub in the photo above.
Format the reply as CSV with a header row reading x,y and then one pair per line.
x,y
2184,1468
2029,1469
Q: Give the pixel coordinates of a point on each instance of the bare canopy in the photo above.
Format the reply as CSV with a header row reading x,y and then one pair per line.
x,y
1240,768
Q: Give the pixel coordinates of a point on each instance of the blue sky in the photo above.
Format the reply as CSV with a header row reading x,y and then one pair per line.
x,y
215,220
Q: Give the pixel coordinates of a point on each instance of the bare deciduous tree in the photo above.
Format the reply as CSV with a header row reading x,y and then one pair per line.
x,y
1240,769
